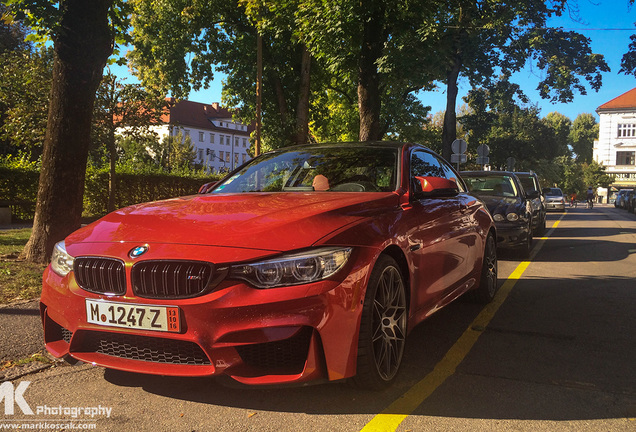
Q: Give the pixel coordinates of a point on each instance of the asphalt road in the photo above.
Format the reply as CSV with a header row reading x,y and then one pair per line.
x,y
555,351
20,330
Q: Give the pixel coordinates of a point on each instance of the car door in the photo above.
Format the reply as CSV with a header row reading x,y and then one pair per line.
x,y
468,228
435,238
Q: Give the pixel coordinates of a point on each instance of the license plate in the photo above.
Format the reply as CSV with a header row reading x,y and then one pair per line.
x,y
144,317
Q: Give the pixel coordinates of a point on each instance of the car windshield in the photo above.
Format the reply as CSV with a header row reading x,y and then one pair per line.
x,y
340,169
491,185
554,192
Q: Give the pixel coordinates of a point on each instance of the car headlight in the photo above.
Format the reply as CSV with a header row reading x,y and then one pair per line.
x,y
512,217
294,269
61,261
499,217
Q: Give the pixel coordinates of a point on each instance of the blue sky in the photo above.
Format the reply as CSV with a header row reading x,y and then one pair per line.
x,y
604,22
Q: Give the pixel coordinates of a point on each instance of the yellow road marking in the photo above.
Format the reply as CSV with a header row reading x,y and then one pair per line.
x,y
391,417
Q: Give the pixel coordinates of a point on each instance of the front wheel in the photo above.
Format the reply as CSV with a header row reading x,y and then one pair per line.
x,y
383,326
487,288
524,250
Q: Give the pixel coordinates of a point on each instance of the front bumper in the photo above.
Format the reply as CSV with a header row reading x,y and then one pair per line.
x,y
281,335
555,205
511,236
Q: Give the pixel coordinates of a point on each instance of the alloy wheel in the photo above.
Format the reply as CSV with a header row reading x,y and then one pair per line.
x,y
389,323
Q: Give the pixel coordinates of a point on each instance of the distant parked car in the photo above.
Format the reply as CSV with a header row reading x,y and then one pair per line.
x,y
506,200
629,200
530,183
619,202
554,199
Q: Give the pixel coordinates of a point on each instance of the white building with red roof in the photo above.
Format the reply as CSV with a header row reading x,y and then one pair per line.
x,y
220,142
615,148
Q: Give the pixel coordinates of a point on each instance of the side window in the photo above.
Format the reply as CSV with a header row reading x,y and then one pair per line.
x,y
449,173
425,164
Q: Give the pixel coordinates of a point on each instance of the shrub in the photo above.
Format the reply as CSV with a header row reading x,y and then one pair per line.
x,y
19,184
138,187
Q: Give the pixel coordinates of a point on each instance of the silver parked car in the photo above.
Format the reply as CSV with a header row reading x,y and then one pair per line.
x,y
554,199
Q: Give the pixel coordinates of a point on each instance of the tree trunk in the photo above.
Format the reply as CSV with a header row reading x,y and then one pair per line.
x,y
449,130
277,85
82,45
302,111
112,175
369,101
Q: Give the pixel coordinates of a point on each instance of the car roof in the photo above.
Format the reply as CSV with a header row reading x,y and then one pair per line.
x,y
488,173
351,144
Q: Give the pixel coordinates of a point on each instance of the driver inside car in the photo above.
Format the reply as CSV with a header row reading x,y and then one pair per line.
x,y
320,183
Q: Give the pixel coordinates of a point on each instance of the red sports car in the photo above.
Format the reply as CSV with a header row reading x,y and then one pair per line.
x,y
306,263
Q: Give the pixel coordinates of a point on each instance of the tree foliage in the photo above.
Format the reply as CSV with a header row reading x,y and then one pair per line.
x,y
500,117
84,35
25,86
479,40
582,135
204,36
13,33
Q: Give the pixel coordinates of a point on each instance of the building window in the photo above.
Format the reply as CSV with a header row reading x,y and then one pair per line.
x,y
627,130
221,154
211,138
227,157
625,158
200,154
236,142
236,158
244,142
227,140
244,156
200,136
187,133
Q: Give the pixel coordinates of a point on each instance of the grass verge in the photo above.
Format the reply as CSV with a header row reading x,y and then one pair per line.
x,y
19,280
37,357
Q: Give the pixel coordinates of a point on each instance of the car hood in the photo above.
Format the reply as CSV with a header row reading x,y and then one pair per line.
x,y
265,221
503,205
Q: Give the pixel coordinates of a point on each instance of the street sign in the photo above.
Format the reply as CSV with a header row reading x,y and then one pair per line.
x,y
459,146
483,150
483,160
458,158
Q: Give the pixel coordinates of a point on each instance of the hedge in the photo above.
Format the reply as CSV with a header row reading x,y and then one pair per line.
x,y
18,190
19,185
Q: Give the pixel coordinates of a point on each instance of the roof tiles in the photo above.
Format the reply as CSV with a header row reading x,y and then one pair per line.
x,y
626,100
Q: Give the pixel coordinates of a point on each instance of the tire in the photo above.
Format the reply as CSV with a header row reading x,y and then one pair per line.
x,y
541,228
524,251
488,283
383,326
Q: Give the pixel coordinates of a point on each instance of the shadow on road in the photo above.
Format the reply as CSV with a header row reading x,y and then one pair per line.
x,y
558,349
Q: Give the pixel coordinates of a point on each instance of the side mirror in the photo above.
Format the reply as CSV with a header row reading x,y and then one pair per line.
x,y
434,186
533,195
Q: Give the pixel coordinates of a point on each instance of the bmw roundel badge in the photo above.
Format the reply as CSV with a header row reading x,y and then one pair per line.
x,y
138,251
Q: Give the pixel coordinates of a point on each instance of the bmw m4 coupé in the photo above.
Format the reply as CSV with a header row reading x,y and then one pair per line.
x,y
307,263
